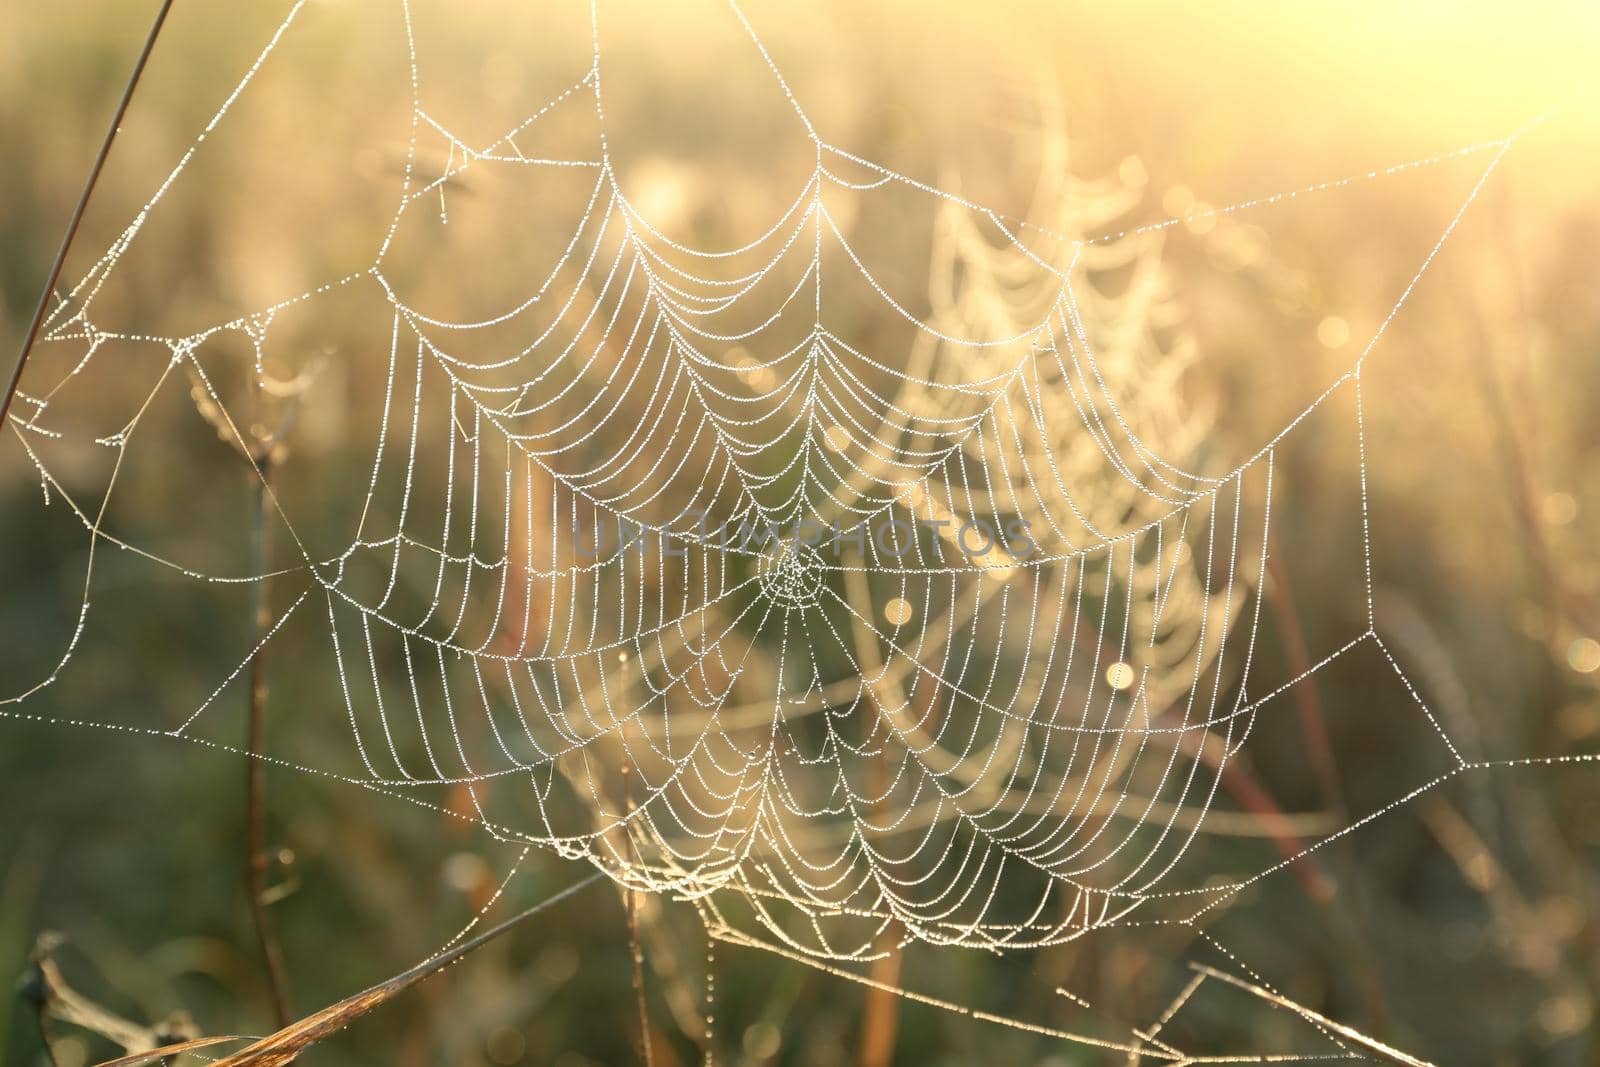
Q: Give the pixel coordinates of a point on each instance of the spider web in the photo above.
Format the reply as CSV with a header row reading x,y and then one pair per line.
x,y
579,590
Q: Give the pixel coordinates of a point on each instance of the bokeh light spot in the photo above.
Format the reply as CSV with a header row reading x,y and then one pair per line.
x,y
1333,332
1583,655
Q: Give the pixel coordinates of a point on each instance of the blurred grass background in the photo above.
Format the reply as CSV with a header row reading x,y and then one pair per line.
x,y
1463,926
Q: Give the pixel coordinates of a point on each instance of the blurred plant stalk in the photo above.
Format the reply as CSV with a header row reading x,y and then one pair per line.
x,y
257,856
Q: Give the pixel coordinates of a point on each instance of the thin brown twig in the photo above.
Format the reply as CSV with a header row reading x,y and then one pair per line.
x,y
880,1027
1371,1044
632,898
1244,787
55,1000
1319,748
880,1024
134,1059
256,858
76,220
288,1042
1307,698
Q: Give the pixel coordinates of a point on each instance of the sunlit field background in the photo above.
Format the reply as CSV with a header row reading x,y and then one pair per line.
x,y
1463,926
